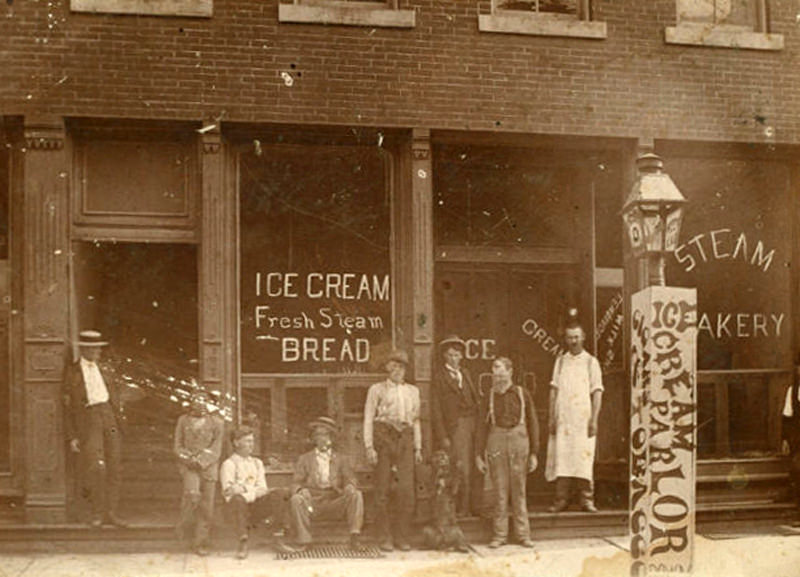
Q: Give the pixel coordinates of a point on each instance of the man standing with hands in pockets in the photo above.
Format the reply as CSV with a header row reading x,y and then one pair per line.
x,y
393,441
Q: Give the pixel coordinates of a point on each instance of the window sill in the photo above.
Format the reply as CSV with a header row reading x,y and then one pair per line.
x,y
722,37
197,8
364,14
518,22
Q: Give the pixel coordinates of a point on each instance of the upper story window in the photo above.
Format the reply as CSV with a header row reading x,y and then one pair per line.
x,y
374,13
724,23
202,8
542,17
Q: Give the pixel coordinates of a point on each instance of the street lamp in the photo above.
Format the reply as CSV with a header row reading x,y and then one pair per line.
x,y
653,213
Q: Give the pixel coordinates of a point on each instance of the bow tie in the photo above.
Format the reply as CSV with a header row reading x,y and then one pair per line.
x,y
324,452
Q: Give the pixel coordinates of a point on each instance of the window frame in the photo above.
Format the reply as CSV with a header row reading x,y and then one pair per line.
x,y
377,13
514,21
721,35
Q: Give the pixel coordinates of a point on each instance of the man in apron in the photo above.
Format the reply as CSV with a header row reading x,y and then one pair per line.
x,y
575,397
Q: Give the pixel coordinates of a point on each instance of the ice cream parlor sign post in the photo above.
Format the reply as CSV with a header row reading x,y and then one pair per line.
x,y
663,385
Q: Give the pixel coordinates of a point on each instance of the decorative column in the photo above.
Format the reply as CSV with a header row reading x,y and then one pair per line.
x,y
45,174
663,334
217,273
422,257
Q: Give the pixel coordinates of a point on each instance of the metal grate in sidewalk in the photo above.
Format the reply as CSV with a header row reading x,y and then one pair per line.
x,y
332,551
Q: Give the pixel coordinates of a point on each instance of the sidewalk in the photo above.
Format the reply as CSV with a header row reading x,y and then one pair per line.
x,y
774,555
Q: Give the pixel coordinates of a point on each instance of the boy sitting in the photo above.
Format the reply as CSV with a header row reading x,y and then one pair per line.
x,y
244,487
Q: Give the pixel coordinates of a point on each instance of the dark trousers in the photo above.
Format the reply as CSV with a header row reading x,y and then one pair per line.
x,y
566,485
325,504
507,455
395,450
197,506
462,457
101,449
246,515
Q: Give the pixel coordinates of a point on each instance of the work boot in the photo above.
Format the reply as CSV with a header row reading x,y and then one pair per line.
x,y
241,552
355,542
558,506
386,545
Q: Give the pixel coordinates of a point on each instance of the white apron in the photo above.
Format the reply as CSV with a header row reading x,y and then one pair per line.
x,y
570,452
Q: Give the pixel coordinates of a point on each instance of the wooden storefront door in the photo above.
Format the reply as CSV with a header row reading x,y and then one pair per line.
x,y
509,309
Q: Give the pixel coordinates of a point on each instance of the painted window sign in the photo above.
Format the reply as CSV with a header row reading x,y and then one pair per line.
x,y
734,247
316,285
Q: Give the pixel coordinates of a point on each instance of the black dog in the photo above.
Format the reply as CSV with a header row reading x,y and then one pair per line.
x,y
444,532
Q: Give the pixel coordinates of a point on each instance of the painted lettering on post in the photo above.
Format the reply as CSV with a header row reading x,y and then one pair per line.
x,y
663,429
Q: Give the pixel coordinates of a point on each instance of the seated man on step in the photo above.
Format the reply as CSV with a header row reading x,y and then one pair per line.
x,y
324,486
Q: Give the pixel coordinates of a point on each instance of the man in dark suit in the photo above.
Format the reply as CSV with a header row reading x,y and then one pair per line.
x,y
91,423
454,407
324,486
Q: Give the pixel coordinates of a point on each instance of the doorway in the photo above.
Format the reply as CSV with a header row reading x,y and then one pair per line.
x,y
509,309
143,298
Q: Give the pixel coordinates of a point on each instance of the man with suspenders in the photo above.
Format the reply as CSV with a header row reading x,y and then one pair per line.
x,y
507,443
575,398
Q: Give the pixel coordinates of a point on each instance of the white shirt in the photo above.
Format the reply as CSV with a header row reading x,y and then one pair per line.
x,y
243,476
390,402
96,391
324,464
788,410
456,374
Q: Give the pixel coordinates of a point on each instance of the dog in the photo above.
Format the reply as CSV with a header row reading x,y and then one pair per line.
x,y
444,532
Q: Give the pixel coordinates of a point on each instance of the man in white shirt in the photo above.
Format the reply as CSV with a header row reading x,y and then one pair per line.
x,y
91,424
244,487
393,441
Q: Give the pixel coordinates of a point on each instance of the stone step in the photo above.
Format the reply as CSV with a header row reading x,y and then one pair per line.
x,y
156,531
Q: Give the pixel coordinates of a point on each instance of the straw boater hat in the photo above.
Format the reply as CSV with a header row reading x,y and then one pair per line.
x,y
452,341
324,423
91,339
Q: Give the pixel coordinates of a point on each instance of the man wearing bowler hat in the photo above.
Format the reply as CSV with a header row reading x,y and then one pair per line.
x,y
393,441
324,486
91,423
454,406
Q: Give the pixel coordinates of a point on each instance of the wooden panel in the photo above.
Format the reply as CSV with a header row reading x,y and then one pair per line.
x,y
135,181
45,305
44,361
422,249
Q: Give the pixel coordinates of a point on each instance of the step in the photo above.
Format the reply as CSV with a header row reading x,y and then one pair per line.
x,y
159,530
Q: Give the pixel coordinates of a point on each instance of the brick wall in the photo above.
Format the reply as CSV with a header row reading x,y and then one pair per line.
x,y
444,73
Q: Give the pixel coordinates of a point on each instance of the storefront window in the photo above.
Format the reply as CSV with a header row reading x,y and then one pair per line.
x,y
316,274
736,249
502,197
